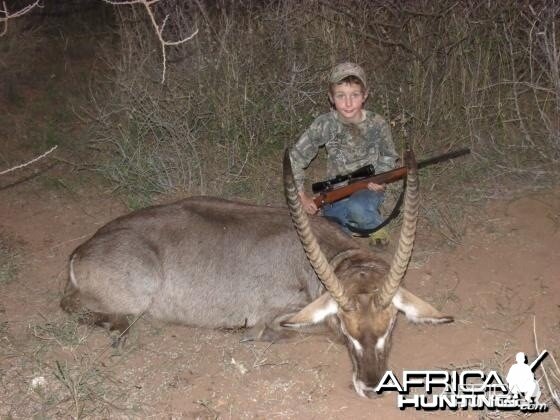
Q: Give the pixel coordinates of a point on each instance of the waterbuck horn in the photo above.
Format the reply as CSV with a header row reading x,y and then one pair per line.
x,y
316,257
406,240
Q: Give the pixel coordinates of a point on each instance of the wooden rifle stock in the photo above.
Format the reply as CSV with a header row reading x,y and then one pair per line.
x,y
331,195
336,194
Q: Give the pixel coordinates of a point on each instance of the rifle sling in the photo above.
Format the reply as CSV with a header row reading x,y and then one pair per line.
x,y
394,213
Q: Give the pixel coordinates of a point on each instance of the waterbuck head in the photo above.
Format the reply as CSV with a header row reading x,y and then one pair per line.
x,y
362,294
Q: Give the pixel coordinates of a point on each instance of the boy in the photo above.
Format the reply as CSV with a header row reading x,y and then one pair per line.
x,y
353,137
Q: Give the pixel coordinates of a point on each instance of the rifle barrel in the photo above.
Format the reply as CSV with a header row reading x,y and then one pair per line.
x,y
446,156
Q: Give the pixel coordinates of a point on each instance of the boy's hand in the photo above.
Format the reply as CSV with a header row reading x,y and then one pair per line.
x,y
308,204
376,187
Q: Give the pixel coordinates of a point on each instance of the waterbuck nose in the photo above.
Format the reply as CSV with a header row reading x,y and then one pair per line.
x,y
370,393
364,390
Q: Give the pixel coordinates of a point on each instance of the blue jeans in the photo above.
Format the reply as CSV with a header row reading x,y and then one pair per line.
x,y
361,210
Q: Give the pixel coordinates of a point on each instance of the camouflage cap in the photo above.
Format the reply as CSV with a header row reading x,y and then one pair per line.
x,y
344,70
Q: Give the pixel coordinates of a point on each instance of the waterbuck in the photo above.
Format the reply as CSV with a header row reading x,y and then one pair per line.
x,y
208,262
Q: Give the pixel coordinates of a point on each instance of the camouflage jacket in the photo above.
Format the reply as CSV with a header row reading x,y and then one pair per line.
x,y
349,146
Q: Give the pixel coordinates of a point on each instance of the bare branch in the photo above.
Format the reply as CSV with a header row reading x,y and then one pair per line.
x,y
158,28
23,165
7,15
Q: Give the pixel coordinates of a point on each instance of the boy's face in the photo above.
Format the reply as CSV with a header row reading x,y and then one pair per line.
x,y
348,100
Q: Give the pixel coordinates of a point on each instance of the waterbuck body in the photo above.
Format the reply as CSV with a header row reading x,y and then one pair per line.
x,y
201,261
209,262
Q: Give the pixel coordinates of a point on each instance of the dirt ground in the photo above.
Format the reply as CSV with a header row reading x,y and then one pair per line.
x,y
501,276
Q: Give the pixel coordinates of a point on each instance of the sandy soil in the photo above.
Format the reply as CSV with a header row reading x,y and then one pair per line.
x,y
501,276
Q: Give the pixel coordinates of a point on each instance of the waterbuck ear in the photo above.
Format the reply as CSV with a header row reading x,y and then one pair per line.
x,y
313,313
418,310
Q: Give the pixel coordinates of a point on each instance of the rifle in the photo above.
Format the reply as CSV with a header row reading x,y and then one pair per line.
x,y
345,185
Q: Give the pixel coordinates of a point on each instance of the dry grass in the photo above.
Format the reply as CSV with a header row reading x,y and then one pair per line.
x,y
253,79
10,259
550,372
